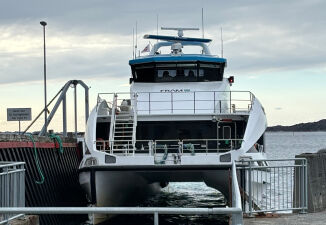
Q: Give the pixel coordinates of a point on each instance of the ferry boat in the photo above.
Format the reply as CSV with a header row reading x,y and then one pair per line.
x,y
180,122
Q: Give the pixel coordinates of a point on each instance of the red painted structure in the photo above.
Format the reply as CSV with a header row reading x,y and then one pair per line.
x,y
60,169
26,144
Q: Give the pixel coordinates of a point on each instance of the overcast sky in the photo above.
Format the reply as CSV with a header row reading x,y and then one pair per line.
x,y
276,49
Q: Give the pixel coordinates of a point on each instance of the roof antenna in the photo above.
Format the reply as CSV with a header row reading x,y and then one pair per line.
x,y
221,42
136,42
179,29
133,43
202,21
157,26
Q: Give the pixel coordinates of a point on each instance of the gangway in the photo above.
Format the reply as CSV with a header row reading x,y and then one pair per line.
x,y
62,99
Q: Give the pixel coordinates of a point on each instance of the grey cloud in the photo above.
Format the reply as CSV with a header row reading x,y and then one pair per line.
x,y
75,65
258,35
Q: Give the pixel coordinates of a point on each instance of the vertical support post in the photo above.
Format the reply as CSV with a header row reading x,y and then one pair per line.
x,y
250,194
154,148
64,115
135,118
206,146
156,218
218,135
172,102
43,23
194,102
149,103
214,103
220,106
230,102
302,189
86,105
7,192
306,183
112,124
75,103
150,147
19,127
14,187
22,187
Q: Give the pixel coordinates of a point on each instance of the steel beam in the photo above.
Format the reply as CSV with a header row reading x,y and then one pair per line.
x,y
62,98
119,210
64,116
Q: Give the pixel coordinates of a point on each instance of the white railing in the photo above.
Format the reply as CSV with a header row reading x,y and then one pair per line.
x,y
112,124
134,111
12,188
156,211
181,147
236,197
273,185
198,102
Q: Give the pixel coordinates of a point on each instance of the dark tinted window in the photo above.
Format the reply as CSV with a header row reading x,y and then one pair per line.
x,y
178,72
210,72
144,73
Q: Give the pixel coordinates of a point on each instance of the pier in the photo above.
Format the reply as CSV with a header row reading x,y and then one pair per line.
x,y
50,170
70,201
316,196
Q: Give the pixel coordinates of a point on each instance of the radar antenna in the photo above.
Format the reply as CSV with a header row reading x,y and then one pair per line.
x,y
179,29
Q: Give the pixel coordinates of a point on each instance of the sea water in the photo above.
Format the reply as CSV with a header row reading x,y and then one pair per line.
x,y
278,145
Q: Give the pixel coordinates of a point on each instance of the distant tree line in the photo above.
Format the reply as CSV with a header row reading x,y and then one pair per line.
x,y
313,126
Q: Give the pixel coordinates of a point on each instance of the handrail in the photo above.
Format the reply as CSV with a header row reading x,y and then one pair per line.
x,y
134,126
236,197
181,146
144,92
155,211
4,164
177,140
118,210
112,125
176,102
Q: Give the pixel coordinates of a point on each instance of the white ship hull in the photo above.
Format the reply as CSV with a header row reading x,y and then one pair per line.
x,y
116,188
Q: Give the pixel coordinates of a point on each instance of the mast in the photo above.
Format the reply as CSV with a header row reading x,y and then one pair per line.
x,y
157,25
221,43
202,22
133,43
136,42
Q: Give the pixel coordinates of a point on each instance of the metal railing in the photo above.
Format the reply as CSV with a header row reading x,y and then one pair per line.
x,y
155,211
12,188
273,185
235,211
197,102
112,124
135,120
186,146
236,197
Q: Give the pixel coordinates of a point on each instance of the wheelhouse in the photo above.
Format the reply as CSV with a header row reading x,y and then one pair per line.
x,y
155,69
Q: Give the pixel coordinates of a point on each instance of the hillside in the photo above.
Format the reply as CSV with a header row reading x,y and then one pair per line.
x,y
313,126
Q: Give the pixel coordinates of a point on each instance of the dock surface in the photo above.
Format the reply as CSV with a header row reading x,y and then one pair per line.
x,y
318,218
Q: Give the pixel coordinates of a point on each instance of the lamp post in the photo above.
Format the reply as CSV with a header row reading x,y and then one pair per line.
x,y
43,23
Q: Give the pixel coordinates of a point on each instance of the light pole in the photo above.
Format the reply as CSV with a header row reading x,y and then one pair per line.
x,y
43,23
